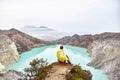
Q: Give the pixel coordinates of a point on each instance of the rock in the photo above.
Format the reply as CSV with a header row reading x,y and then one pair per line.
x,y
59,71
77,73
8,52
89,74
2,68
75,40
85,40
106,56
12,75
2,76
64,40
24,42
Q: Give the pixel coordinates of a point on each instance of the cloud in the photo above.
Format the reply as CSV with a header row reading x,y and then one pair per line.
x,y
62,15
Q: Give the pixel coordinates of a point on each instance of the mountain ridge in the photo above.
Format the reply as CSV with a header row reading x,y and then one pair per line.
x,y
85,40
24,42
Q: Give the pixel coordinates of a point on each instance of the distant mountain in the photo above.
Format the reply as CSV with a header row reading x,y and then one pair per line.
x,y
85,40
43,32
24,42
36,29
76,40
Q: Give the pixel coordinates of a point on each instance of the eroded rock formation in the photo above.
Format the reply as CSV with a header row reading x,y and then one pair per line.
x,y
13,75
8,52
106,56
24,42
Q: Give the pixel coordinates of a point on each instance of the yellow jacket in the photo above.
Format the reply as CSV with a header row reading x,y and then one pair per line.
x,y
61,56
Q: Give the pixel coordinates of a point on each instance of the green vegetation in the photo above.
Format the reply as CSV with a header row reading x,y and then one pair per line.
x,y
38,69
77,73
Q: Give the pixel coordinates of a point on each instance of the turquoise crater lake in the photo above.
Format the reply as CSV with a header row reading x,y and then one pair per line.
x,y
77,56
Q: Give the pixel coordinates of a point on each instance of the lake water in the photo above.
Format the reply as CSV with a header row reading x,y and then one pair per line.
x,y
77,56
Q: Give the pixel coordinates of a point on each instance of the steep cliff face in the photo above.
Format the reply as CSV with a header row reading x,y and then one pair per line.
x,y
8,52
106,56
23,41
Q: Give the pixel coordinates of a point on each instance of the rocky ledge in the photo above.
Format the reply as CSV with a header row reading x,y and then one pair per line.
x,y
63,71
59,71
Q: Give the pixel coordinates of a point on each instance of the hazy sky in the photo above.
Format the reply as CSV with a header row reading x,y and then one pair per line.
x,y
85,16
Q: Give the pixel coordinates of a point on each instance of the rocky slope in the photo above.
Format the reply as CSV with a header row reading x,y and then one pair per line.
x,y
23,41
75,40
12,75
106,56
104,48
8,52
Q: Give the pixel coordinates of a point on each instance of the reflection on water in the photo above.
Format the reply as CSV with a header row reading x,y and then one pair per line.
x,y
77,56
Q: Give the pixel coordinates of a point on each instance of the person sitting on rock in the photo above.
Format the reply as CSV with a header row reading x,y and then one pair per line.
x,y
61,56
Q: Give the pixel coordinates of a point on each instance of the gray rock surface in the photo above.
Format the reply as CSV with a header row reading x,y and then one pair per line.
x,y
106,56
13,75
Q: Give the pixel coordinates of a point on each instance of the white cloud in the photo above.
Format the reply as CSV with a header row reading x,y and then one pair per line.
x,y
62,15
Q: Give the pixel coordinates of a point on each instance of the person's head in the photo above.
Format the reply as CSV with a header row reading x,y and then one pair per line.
x,y
61,47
